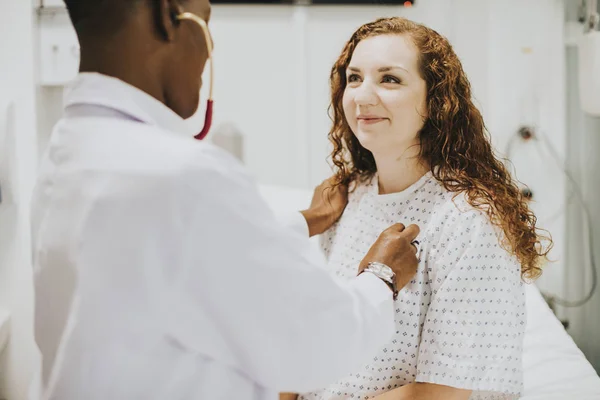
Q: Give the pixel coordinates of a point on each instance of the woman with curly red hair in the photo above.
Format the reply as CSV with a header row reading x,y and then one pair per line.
x,y
413,147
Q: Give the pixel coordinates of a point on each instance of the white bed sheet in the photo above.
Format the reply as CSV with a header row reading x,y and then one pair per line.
x,y
554,367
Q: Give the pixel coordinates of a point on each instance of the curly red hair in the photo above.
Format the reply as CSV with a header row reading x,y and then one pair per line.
x,y
453,141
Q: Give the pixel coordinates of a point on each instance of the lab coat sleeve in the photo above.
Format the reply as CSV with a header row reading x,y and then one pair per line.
x,y
288,323
295,221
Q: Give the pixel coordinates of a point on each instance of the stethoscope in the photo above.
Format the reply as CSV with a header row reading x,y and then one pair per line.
x,y
209,45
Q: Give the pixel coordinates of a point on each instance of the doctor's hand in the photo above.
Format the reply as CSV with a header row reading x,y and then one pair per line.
x,y
288,396
395,248
328,203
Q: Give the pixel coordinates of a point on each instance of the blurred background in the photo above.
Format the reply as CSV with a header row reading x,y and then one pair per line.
x,y
272,61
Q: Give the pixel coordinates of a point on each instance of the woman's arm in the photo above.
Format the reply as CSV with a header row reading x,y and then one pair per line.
x,y
422,391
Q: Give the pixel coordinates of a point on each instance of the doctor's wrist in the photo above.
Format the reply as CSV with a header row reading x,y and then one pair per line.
x,y
383,272
317,221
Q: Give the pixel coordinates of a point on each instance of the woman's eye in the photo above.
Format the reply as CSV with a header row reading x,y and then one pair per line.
x,y
353,78
390,79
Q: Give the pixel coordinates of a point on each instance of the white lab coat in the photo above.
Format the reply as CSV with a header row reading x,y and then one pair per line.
x,y
161,274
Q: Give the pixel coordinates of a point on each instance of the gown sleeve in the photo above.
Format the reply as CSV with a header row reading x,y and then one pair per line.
x,y
472,336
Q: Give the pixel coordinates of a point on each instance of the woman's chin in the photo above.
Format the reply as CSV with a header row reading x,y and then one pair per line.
x,y
370,139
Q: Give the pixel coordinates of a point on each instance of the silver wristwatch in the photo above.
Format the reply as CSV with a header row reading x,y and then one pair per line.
x,y
384,273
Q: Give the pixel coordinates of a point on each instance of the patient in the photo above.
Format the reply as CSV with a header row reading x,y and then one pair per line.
x,y
410,142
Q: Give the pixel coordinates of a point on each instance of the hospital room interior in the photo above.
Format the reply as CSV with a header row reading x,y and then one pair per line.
x,y
534,68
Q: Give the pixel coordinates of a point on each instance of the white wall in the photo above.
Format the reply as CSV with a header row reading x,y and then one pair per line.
x,y
17,86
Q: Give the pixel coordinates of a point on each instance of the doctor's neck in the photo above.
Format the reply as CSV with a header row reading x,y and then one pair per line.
x,y
144,44
126,61
398,171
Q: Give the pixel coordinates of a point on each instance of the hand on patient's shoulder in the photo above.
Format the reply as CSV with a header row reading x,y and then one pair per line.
x,y
327,206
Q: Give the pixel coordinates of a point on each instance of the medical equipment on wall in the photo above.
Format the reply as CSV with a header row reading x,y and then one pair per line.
x,y
589,58
4,329
58,46
589,72
8,201
7,155
530,134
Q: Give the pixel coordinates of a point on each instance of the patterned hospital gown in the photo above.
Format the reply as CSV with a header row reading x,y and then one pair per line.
x,y
460,321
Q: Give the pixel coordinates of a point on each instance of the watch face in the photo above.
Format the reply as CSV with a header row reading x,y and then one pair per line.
x,y
382,271
387,272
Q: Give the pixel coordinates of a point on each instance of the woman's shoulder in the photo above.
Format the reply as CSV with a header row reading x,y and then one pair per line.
x,y
453,212
463,233
457,205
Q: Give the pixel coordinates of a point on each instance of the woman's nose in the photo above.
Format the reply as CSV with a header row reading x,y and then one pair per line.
x,y
366,95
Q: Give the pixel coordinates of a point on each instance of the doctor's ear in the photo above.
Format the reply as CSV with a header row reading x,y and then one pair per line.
x,y
165,17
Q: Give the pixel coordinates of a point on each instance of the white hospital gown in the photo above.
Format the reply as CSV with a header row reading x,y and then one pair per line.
x,y
460,321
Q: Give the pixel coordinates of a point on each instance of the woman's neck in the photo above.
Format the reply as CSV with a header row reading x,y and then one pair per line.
x,y
396,174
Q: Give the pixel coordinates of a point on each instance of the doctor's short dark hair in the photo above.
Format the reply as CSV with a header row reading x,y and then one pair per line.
x,y
104,15
110,14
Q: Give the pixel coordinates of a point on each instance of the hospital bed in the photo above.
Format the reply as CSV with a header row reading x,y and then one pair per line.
x,y
554,367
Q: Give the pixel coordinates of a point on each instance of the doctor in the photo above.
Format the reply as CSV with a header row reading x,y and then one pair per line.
x,y
159,271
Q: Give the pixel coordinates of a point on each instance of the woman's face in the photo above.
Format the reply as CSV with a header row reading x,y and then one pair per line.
x,y
385,96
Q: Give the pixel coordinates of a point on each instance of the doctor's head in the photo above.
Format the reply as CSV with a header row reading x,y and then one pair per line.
x,y
146,44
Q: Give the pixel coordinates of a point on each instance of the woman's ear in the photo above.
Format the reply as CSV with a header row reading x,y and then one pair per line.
x,y
165,17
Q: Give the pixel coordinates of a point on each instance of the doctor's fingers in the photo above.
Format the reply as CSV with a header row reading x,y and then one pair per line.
x,y
332,190
328,192
403,236
411,232
396,228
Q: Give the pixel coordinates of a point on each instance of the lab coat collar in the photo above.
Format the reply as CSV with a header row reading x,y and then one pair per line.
x,y
94,89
